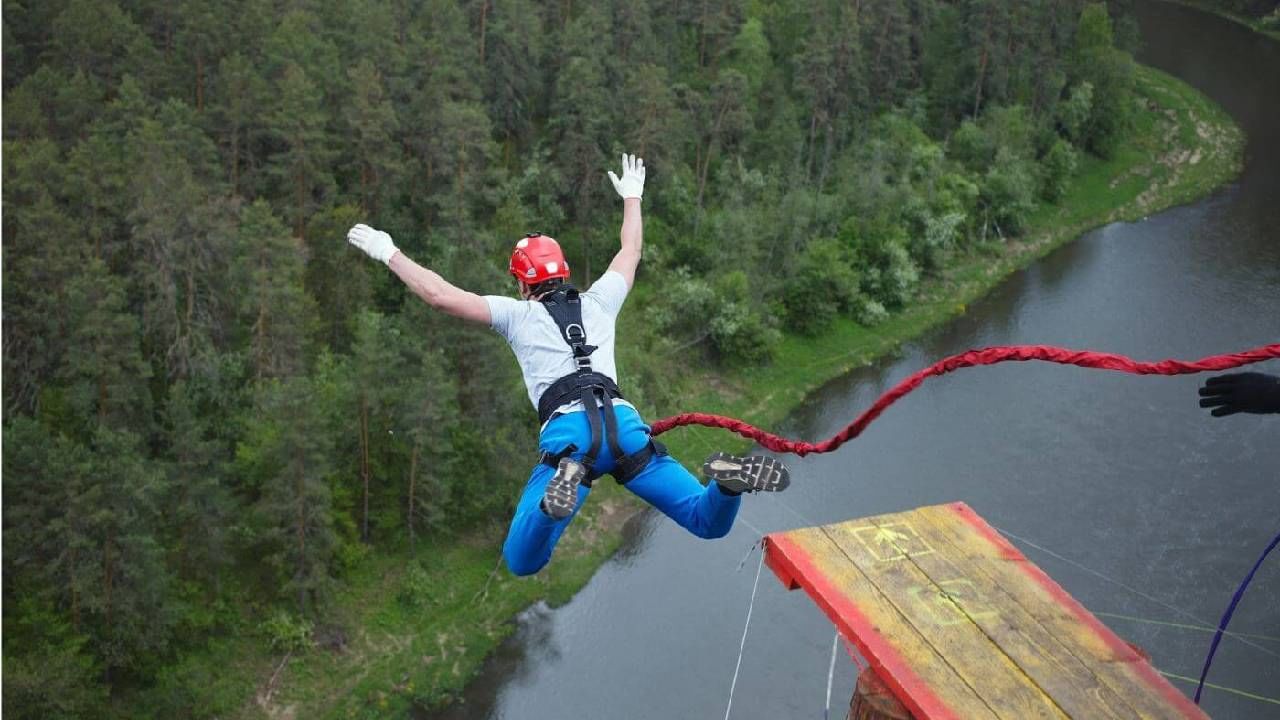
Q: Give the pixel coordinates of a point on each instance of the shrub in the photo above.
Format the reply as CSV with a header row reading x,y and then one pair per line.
x,y
971,146
417,589
1058,165
1073,113
743,335
1008,192
742,331
870,312
888,273
824,284
941,232
683,306
287,632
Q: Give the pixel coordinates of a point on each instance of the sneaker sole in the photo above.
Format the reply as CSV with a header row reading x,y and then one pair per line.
x,y
752,473
561,496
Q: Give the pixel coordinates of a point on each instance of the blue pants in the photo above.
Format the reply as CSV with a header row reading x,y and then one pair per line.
x,y
663,483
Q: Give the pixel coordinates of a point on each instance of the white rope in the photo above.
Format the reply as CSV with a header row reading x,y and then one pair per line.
x,y
743,644
1134,590
831,674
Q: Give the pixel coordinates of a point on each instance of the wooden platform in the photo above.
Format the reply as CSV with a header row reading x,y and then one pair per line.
x,y
958,624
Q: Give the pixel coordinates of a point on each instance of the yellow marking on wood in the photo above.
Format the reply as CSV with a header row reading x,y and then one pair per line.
x,y
952,601
983,634
993,677
913,646
1052,647
894,541
1060,645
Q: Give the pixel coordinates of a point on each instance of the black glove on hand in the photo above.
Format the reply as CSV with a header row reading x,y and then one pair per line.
x,y
1249,392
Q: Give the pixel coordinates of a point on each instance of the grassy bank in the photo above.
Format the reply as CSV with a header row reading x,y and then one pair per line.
x,y
416,629
1260,25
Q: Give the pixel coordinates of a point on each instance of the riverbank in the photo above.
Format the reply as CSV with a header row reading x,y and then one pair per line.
x,y
413,630
1262,25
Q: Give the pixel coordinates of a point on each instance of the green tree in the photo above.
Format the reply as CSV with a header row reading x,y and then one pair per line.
x,y
103,376
201,510
301,168
49,675
183,233
376,373
722,118
658,129
80,535
272,304
287,452
39,263
372,124
338,276
1095,60
824,284
117,505
830,75
238,115
513,55
99,39
888,34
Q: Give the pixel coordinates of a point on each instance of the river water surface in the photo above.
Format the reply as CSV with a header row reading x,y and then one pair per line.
x,y
1122,475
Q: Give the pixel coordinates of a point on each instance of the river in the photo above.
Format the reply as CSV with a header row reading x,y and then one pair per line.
x,y
1149,511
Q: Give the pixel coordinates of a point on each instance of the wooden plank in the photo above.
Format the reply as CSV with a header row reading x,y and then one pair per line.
x,y
1049,659
1116,663
958,623
898,655
888,550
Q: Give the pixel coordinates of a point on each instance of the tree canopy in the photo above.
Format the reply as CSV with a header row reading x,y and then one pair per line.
x,y
214,406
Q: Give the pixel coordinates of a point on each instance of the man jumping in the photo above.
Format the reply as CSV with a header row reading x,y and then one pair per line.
x,y
588,429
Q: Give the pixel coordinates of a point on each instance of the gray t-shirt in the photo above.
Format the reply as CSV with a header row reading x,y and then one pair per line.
x,y
543,354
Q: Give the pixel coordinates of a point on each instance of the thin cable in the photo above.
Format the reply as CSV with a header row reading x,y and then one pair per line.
x,y
1223,688
750,550
831,674
778,500
1133,590
742,645
1226,617
1184,626
744,521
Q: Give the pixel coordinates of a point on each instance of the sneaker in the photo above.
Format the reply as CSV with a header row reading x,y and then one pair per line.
x,y
753,473
561,495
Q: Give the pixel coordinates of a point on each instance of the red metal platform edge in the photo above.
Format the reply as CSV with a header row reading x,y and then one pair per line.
x,y
795,569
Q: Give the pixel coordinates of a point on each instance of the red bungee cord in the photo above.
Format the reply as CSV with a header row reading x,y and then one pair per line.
x,y
971,358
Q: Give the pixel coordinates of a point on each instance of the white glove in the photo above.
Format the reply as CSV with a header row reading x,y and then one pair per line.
x,y
632,183
375,243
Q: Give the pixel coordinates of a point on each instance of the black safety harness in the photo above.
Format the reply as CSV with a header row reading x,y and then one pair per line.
x,y
588,386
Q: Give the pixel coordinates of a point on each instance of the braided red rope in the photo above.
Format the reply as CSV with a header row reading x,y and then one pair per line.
x,y
971,358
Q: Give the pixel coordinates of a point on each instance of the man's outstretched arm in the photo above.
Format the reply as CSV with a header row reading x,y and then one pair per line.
x,y
630,186
426,284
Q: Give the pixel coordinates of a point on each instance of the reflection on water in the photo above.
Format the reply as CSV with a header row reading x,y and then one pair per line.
x,y
1123,475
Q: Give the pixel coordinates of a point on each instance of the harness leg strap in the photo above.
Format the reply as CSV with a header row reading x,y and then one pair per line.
x,y
629,466
593,419
610,425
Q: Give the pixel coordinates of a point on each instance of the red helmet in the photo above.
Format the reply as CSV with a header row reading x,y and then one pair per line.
x,y
537,258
